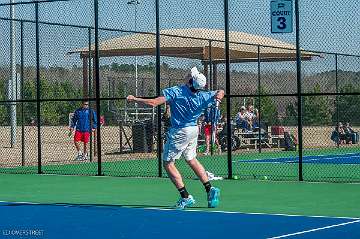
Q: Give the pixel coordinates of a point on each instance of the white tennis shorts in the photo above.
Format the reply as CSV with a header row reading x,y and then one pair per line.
x,y
181,142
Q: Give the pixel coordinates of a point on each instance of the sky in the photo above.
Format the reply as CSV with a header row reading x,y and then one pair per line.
x,y
325,25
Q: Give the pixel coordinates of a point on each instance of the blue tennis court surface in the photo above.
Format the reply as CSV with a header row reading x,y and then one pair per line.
x,y
351,158
94,221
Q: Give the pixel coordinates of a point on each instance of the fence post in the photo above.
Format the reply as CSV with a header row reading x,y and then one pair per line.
x,y
259,96
227,79
22,93
210,87
337,92
299,93
97,84
38,83
158,88
89,90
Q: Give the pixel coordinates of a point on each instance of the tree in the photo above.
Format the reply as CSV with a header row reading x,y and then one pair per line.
x,y
49,114
268,111
316,109
291,115
347,107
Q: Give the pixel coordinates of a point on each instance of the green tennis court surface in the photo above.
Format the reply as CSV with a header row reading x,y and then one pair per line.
x,y
319,165
326,199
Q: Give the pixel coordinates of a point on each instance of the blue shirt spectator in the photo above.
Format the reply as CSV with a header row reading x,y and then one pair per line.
x,y
212,115
81,120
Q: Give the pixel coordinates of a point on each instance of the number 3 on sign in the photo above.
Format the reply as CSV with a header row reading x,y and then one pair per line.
x,y
282,24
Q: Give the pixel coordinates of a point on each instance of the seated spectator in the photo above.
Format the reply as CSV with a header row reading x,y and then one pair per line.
x,y
350,135
255,120
338,135
241,120
251,116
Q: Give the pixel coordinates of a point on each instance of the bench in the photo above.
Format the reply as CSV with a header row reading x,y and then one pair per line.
x,y
252,139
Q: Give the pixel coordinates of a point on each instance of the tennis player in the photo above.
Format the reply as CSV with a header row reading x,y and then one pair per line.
x,y
187,102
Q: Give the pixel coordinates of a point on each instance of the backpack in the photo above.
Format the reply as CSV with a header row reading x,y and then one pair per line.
x,y
290,144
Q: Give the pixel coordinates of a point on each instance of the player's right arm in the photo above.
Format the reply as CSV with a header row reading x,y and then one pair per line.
x,y
169,94
152,102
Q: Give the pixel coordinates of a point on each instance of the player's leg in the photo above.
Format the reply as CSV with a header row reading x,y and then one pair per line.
x,y
186,200
174,174
198,169
213,194
175,144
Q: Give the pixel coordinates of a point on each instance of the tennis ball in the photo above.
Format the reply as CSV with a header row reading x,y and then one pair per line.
x,y
265,178
235,177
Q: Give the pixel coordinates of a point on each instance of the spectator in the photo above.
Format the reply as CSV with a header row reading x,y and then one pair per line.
x,y
33,123
211,120
84,121
350,134
102,120
338,135
255,120
251,116
241,120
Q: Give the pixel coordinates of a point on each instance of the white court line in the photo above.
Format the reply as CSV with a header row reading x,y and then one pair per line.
x,y
305,159
230,212
314,230
192,210
250,213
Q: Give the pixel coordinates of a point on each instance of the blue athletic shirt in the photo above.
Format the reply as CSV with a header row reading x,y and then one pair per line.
x,y
81,120
186,106
212,115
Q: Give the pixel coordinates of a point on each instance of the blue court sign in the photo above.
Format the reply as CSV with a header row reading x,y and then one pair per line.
x,y
281,16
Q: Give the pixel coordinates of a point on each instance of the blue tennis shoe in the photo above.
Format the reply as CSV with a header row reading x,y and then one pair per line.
x,y
213,197
185,202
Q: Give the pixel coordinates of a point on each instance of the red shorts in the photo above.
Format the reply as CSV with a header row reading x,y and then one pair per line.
x,y
82,136
207,129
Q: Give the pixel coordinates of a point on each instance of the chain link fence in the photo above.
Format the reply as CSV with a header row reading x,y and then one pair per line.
x,y
287,114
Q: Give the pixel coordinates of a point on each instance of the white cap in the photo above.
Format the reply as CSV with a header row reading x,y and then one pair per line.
x,y
199,80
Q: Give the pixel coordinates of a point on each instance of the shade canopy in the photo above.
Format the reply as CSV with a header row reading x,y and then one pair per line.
x,y
199,43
